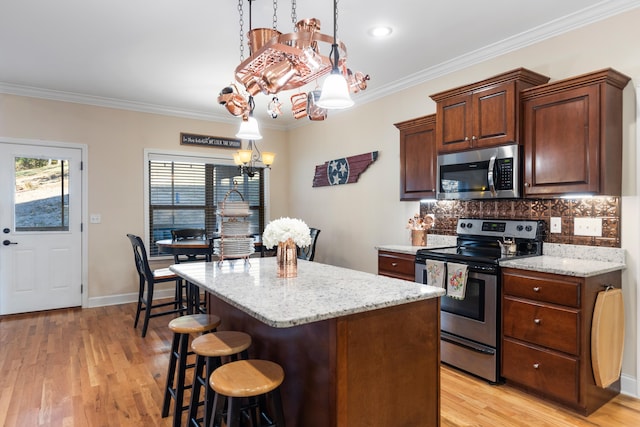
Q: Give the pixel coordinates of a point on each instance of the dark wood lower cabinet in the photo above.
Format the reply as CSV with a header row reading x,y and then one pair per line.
x,y
546,336
396,264
377,368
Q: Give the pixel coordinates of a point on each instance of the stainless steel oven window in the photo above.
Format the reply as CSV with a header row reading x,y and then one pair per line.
x,y
473,304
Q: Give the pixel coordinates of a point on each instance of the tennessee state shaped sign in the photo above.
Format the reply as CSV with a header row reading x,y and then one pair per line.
x,y
343,171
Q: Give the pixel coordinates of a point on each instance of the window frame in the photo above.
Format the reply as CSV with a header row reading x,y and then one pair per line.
x,y
182,156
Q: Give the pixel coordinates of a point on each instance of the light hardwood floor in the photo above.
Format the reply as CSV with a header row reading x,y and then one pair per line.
x,y
91,368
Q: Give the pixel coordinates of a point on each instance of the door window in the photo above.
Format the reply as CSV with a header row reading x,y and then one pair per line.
x,y
41,194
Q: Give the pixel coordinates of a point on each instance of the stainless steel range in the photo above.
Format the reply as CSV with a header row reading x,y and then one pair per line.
x,y
470,327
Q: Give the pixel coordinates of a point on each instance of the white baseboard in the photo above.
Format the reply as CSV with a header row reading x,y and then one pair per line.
x,y
126,298
629,386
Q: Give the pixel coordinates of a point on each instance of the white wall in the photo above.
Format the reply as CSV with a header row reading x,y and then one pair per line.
x,y
355,218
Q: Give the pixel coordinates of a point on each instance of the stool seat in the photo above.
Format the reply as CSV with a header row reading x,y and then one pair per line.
x,y
210,349
246,378
194,323
221,343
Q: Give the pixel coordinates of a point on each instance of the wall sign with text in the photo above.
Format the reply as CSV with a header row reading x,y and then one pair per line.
x,y
210,141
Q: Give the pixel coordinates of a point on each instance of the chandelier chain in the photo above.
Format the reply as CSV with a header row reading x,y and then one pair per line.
x,y
241,14
336,21
294,17
275,14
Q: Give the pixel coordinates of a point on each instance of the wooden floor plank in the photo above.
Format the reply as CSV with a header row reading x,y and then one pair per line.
x,y
90,368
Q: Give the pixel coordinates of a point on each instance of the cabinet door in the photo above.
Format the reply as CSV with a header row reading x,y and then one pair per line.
x,y
561,142
454,125
494,116
418,158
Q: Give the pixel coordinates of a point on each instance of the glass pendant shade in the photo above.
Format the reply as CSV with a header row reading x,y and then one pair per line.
x,y
236,159
249,129
335,93
267,158
244,156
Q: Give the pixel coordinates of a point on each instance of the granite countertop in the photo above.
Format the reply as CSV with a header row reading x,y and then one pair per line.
x,y
569,260
572,260
433,241
319,292
564,266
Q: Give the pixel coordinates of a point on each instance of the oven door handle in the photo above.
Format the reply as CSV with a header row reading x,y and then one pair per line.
x,y
490,177
466,345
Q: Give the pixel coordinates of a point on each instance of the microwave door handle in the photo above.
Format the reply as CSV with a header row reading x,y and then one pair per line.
x,y
490,180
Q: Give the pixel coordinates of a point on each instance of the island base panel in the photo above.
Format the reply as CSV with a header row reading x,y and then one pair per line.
x,y
377,368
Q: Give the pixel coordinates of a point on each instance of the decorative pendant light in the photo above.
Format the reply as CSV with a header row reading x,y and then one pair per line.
x,y
249,128
335,91
247,160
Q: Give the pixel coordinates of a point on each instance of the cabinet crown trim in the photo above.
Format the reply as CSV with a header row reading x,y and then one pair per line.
x,y
417,122
607,75
519,74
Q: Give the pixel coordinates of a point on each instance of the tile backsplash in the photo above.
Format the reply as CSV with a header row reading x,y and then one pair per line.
x,y
447,212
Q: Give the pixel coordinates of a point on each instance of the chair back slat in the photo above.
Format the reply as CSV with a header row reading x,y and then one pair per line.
x,y
309,252
140,254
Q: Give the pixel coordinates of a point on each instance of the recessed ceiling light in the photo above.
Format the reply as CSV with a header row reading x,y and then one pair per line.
x,y
380,31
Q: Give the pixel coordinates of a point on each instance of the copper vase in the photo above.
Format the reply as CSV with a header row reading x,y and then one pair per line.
x,y
287,259
418,237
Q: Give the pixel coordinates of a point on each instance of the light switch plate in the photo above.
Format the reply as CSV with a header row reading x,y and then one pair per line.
x,y
587,227
556,224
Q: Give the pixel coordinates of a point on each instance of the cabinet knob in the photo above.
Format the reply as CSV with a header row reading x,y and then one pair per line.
x,y
466,138
394,264
536,321
473,138
536,289
536,365
526,184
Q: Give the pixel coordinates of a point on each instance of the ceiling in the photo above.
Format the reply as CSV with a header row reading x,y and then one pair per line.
x,y
174,56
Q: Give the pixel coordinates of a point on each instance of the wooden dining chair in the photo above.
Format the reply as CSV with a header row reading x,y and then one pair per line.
x,y
148,279
188,234
309,252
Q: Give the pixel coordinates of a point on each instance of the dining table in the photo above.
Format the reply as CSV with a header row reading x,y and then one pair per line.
x,y
188,247
194,247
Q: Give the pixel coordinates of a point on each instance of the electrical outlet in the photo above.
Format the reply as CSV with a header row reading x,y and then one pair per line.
x,y
556,224
95,218
587,227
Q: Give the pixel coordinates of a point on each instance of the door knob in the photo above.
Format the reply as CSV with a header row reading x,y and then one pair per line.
x,y
8,242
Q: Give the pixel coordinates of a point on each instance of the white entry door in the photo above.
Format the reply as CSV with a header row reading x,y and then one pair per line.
x,y
40,227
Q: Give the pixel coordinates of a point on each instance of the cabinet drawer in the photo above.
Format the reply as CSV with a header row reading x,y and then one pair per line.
x,y
393,264
551,374
551,290
552,327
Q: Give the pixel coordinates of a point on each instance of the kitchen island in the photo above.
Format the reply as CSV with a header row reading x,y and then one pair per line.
x,y
357,349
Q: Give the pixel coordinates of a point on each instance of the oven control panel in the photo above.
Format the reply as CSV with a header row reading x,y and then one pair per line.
x,y
510,228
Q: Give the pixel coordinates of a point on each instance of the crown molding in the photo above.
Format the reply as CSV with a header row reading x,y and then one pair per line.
x,y
601,11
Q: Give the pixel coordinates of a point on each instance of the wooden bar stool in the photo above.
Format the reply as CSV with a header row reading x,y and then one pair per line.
x,y
251,379
183,327
210,349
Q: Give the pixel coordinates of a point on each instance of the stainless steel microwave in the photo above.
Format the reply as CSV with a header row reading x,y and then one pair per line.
x,y
487,173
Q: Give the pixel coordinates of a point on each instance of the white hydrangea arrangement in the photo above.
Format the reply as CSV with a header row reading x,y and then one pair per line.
x,y
281,229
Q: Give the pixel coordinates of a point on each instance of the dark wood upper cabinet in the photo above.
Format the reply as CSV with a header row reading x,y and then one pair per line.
x,y
418,158
482,114
573,135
